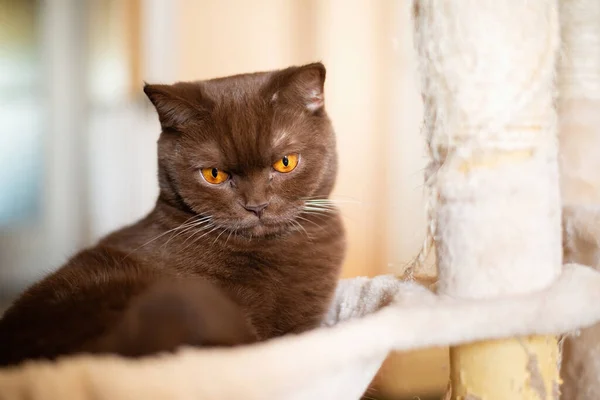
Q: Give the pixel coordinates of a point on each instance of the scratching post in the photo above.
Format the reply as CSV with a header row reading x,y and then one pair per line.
x,y
579,117
488,71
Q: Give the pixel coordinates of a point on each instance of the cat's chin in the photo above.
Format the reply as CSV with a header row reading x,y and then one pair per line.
x,y
264,230
261,229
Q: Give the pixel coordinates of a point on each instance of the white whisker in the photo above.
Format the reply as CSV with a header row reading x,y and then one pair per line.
x,y
299,225
329,201
219,235
321,209
200,237
228,236
190,226
201,229
184,224
308,220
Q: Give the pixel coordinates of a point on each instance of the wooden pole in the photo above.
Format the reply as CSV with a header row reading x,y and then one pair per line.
x,y
487,81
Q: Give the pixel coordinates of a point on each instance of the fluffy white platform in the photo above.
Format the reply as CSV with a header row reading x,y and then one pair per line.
x,y
336,361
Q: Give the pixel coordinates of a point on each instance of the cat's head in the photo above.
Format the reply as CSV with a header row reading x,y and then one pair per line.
x,y
246,150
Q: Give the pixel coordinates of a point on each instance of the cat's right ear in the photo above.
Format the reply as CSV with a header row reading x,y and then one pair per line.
x,y
299,86
175,112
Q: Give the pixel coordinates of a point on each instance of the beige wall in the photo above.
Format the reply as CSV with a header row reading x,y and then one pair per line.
x,y
371,95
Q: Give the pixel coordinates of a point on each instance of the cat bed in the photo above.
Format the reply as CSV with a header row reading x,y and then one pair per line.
x,y
337,361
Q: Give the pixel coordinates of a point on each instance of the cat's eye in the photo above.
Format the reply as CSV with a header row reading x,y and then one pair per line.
x,y
214,175
287,163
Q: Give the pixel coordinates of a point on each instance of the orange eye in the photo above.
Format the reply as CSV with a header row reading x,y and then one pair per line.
x,y
287,163
214,175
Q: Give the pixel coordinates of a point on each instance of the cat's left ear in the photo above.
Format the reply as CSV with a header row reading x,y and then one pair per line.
x,y
302,86
177,105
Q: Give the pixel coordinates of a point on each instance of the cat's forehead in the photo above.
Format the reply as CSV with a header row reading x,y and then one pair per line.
x,y
236,86
240,137
246,125
248,147
245,130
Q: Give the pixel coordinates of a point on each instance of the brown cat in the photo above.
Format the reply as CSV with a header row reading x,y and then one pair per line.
x,y
242,245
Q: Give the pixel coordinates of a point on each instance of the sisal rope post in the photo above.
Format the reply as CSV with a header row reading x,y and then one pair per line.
x,y
579,128
487,81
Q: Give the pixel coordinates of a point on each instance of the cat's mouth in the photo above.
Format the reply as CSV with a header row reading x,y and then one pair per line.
x,y
272,222
263,227
262,230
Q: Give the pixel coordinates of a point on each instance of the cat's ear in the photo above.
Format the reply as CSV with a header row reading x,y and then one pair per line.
x,y
175,110
301,86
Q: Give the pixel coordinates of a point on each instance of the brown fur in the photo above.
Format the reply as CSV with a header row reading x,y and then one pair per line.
x,y
231,279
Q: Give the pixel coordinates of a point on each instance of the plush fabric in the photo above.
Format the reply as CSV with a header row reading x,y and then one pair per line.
x,y
581,358
334,362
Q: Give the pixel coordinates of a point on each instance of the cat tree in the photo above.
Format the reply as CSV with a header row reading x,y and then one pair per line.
x,y
579,112
488,69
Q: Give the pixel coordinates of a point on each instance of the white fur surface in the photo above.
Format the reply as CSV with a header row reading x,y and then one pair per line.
x,y
579,119
334,362
581,352
357,297
494,198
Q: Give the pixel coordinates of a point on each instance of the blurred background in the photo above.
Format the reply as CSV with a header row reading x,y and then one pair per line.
x,y
78,137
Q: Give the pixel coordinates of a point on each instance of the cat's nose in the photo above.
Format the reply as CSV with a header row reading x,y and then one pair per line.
x,y
256,208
